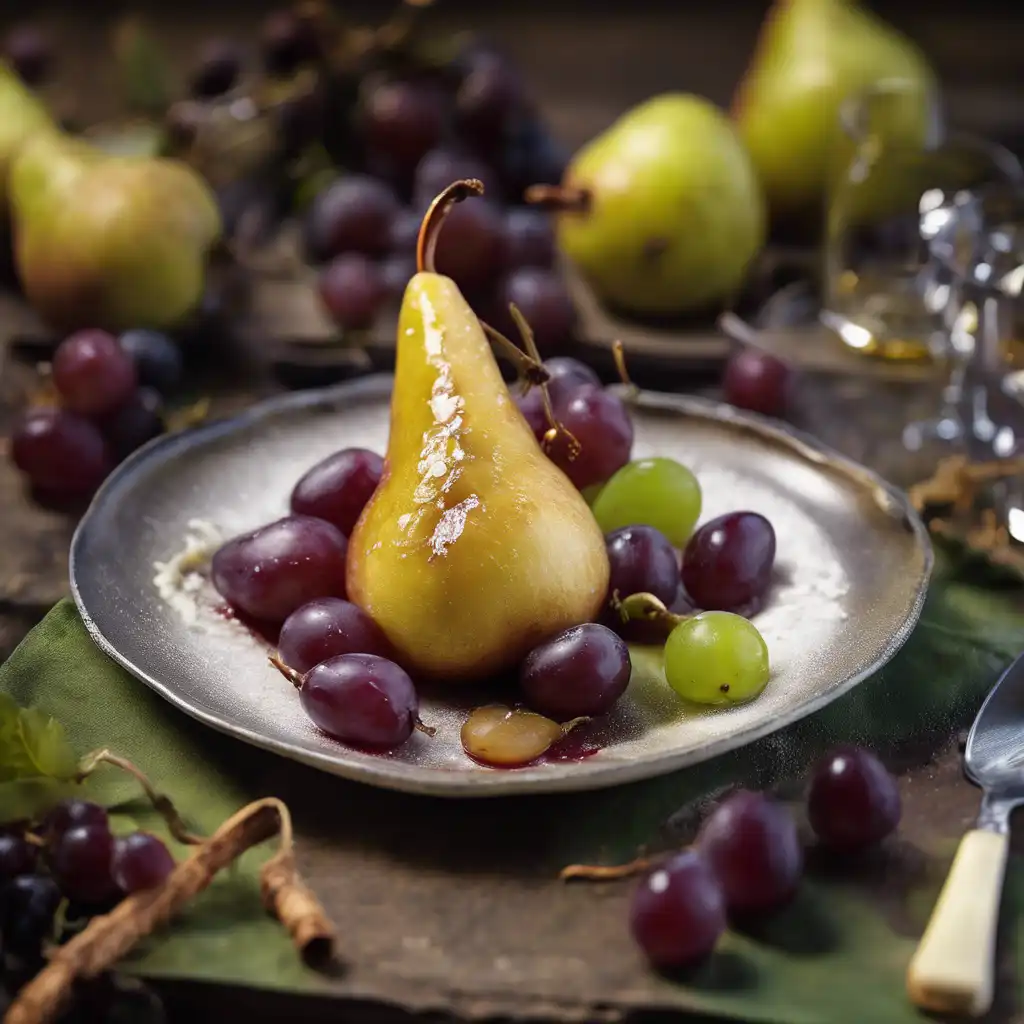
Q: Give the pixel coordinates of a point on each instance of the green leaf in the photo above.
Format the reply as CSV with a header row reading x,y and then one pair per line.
x,y
33,745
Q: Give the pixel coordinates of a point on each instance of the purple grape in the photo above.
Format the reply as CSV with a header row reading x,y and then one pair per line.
x,y
157,359
270,572
402,121
93,374
69,814
337,488
29,52
853,802
751,843
217,70
137,421
542,298
581,672
529,238
405,232
531,405
81,861
287,42
361,699
326,628
470,246
17,857
757,381
352,214
440,167
395,273
600,423
727,563
489,97
678,914
27,908
352,290
140,861
61,454
642,562
567,375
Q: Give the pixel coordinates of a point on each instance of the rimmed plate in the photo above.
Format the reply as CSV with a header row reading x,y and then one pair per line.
x,y
853,565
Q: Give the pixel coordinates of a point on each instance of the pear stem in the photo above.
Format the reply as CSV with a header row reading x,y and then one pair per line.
x,y
426,243
293,677
646,608
560,198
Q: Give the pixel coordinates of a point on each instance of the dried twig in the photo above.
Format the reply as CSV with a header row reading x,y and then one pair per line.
x,y
606,872
108,938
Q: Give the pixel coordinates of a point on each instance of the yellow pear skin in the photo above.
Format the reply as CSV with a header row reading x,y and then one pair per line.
x,y
109,241
22,114
475,547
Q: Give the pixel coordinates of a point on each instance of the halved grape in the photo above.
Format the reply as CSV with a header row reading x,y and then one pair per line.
x,y
678,914
853,801
361,699
658,492
326,628
270,572
337,488
716,658
727,564
751,843
580,673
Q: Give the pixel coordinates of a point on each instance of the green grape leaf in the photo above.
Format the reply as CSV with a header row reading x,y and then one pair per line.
x,y
33,745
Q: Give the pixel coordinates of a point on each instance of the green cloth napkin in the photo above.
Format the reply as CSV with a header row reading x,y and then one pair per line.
x,y
454,905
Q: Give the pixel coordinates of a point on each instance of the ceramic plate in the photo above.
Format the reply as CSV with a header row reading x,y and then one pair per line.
x,y
853,565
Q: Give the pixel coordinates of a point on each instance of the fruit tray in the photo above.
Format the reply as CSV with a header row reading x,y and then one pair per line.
x,y
852,570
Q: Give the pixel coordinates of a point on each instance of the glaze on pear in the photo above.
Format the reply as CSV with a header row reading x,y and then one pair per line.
x,y
475,547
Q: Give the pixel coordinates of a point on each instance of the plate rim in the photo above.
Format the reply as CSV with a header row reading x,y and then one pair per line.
x,y
592,774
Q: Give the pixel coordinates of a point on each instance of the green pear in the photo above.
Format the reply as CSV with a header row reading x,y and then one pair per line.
x,y
22,114
811,57
106,240
674,214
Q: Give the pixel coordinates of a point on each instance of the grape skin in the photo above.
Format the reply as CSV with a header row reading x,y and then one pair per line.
x,y
270,572
60,453
361,699
352,214
727,564
352,290
599,421
716,658
337,488
758,382
81,861
642,562
751,843
582,672
542,298
140,861
326,628
678,913
93,374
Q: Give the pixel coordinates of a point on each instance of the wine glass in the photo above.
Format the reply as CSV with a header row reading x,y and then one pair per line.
x,y
896,170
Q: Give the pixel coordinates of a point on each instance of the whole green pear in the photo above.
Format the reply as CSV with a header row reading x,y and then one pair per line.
x,y
811,56
675,213
22,114
109,241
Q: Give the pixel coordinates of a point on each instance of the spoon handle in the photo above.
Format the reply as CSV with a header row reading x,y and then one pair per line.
x,y
952,970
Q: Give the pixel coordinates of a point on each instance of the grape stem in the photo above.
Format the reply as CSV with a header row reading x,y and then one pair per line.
x,y
107,938
160,802
619,355
560,198
293,677
606,872
647,608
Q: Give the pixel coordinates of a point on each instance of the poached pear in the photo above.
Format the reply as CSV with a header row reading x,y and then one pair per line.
x,y
671,215
109,241
810,57
475,547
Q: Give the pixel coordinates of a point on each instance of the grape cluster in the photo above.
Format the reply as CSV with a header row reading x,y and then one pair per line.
x,y
417,135
748,859
110,395
69,856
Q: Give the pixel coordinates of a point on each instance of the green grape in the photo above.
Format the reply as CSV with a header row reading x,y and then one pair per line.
x,y
716,658
659,492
